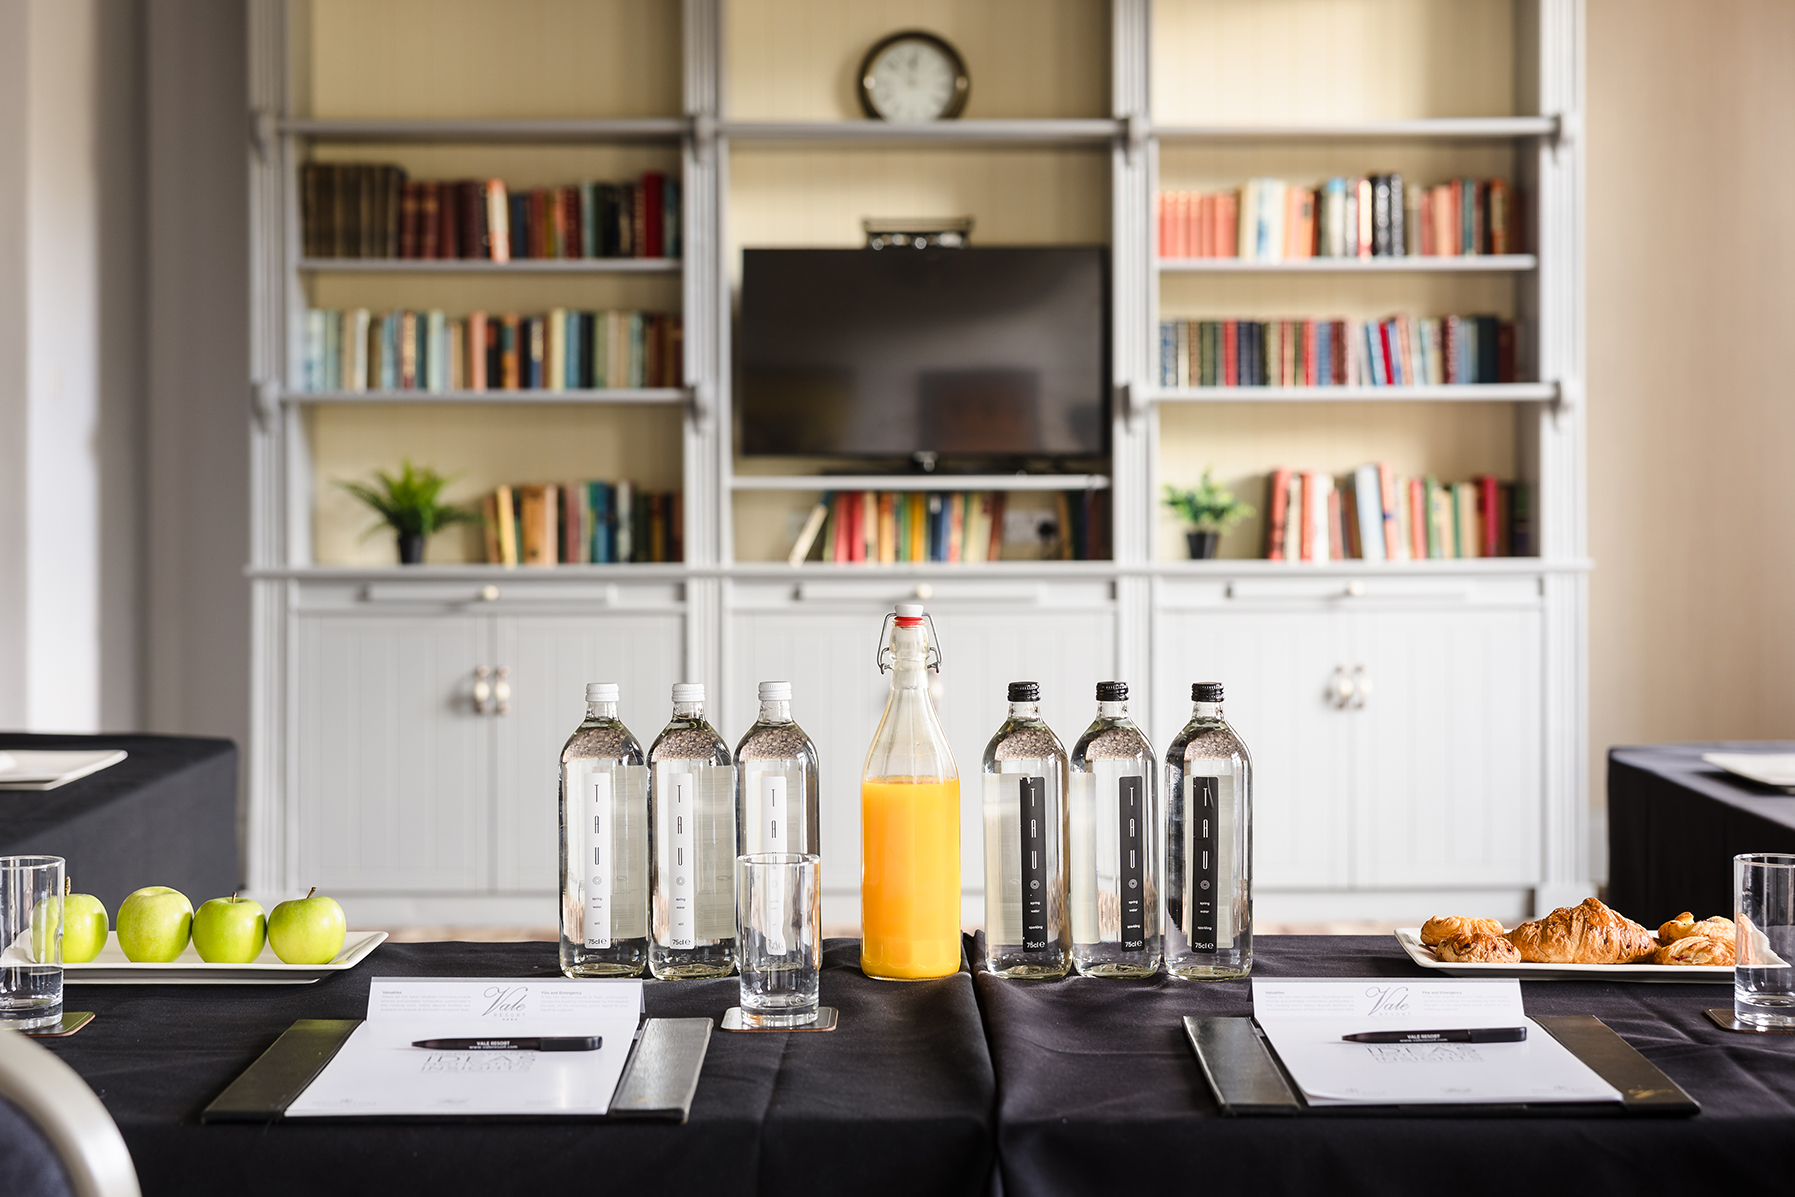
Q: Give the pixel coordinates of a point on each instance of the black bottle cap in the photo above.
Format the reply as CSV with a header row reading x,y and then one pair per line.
x,y
1025,692
1112,691
1206,692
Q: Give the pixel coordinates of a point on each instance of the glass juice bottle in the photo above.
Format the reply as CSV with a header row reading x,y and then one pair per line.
x,y
1113,802
909,821
1027,933
604,844
691,825
1209,846
776,798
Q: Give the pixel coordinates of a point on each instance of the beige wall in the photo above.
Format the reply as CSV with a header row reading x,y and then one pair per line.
x,y
1692,409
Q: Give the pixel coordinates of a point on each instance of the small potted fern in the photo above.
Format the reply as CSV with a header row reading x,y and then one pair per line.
x,y
1209,510
410,504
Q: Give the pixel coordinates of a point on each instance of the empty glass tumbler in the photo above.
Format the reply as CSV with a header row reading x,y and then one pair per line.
x,y
1764,914
779,937
30,942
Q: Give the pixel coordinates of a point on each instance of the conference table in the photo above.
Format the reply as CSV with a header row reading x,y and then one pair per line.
x,y
165,815
970,1084
1675,823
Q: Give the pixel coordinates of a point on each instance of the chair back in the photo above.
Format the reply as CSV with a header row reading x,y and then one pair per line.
x,y
47,1113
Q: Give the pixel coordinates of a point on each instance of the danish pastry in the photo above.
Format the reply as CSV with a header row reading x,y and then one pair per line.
x,y
1443,927
1685,925
1695,949
1477,947
1587,933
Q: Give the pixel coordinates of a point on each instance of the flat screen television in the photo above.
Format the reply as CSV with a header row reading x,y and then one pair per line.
x,y
979,352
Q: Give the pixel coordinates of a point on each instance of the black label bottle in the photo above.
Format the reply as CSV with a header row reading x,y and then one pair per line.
x,y
1027,932
777,795
1113,800
604,844
1209,846
692,832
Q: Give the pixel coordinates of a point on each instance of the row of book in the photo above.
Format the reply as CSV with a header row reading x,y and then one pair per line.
x,y
1373,514
359,350
1397,351
372,210
582,523
888,527
1270,220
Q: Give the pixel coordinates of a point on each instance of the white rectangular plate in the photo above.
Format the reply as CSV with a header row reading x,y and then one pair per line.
x,y
111,968
1410,939
28,769
1766,768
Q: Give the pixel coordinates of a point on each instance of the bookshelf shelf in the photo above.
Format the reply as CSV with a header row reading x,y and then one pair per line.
x,y
957,132
1490,392
1485,128
1466,264
483,266
943,482
629,129
605,395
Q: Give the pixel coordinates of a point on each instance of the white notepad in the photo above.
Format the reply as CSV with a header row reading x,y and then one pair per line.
x,y
1305,1019
377,1071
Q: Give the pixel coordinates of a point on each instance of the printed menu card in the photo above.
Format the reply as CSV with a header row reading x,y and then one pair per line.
x,y
1306,1019
379,1072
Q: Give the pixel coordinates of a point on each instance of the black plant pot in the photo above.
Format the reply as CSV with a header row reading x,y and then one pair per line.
x,y
411,548
1202,544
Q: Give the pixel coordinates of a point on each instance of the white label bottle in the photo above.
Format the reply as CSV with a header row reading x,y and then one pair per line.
x,y
604,844
1114,806
1209,846
1027,932
777,792
692,833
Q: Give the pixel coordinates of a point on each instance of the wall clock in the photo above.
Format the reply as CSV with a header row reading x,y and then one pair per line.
x,y
912,77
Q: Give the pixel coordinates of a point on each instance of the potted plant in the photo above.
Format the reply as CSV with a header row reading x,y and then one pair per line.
x,y
1210,510
409,505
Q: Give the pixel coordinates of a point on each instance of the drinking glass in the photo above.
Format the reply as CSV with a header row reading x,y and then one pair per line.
x,y
30,941
779,937
1764,910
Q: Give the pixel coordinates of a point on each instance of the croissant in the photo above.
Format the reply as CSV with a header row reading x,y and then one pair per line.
x,y
1685,925
1695,949
1588,933
1477,947
1445,926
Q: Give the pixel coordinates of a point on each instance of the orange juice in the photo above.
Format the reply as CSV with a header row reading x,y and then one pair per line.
x,y
910,878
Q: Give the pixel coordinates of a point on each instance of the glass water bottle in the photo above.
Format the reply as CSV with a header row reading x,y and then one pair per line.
x,y
909,820
1209,846
776,799
1113,799
692,828
1027,932
604,844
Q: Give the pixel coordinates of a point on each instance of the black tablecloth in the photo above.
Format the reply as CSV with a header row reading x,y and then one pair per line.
x,y
1099,1092
898,1100
1675,823
165,815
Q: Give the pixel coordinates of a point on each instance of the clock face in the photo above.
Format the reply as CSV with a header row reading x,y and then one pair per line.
x,y
913,77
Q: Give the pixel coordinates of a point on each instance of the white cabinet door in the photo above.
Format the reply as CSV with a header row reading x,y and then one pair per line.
x,y
1450,781
548,660
393,769
1274,668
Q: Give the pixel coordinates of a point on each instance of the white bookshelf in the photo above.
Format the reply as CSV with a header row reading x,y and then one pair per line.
x,y
732,610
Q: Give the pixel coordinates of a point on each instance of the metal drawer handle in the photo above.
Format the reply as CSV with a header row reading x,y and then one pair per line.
x,y
482,689
501,690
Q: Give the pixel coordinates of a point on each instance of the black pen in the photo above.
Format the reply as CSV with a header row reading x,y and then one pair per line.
x,y
547,1043
1471,1035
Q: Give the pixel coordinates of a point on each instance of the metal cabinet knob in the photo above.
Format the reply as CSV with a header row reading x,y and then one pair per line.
x,y
1340,688
482,689
1361,687
489,594
501,690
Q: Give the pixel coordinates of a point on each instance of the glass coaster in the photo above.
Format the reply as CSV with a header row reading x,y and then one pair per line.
x,y
826,1019
1726,1021
72,1021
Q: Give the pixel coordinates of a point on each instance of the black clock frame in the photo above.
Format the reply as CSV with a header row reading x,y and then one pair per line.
x,y
962,81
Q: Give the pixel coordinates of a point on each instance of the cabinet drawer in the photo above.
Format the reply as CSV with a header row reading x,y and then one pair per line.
x,y
1348,591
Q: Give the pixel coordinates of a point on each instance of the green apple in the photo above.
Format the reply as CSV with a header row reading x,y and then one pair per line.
x,y
46,921
154,924
307,930
229,930
83,928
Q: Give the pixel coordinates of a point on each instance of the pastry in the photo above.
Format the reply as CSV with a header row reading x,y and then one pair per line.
x,y
1445,926
1695,949
1478,947
1588,933
1685,925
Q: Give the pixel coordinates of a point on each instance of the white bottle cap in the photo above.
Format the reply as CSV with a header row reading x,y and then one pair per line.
x,y
775,691
601,692
688,691
909,610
